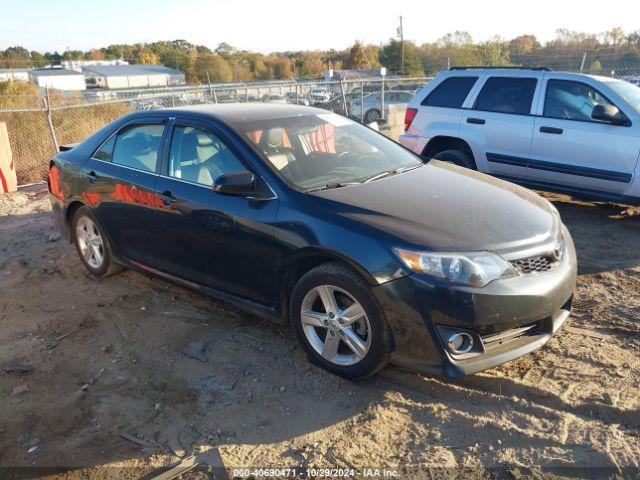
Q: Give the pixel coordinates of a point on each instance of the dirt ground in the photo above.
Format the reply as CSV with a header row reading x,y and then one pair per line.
x,y
108,359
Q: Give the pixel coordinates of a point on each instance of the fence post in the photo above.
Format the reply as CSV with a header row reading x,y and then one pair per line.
x,y
362,101
382,99
215,97
209,83
47,108
344,99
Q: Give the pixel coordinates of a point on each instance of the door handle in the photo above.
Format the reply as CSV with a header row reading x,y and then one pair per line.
x,y
93,178
477,121
557,131
167,198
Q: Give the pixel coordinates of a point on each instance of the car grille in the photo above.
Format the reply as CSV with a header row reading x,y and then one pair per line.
x,y
501,338
529,265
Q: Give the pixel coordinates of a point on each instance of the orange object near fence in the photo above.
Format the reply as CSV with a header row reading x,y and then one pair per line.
x,y
8,181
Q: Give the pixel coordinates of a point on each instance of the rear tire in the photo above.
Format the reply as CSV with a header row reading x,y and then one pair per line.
x,y
456,157
92,244
353,340
372,115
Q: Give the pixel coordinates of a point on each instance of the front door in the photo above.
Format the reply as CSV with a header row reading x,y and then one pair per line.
x,y
571,148
220,241
121,178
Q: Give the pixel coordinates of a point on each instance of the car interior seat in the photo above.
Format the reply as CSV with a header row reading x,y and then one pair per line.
x,y
271,143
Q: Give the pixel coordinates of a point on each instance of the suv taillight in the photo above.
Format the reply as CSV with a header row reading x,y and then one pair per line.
x,y
408,117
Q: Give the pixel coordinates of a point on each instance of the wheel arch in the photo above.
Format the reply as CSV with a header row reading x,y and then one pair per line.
x,y
306,259
69,212
441,143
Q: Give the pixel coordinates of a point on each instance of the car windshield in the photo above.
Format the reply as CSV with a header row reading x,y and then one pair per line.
x,y
326,150
629,92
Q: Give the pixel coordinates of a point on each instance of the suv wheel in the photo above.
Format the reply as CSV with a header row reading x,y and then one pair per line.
x,y
456,157
92,245
339,323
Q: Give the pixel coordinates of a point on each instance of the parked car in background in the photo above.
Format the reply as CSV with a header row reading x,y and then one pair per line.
x,y
635,79
319,94
566,132
373,104
304,216
274,98
226,97
336,103
296,98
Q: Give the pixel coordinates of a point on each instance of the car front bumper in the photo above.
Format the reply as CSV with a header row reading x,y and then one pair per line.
x,y
507,318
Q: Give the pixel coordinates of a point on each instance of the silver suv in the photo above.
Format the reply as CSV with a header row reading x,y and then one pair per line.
x,y
566,132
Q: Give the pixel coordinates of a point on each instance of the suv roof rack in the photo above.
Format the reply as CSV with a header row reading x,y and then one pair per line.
x,y
544,69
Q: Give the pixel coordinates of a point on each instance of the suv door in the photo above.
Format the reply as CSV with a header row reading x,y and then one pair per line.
x,y
219,241
571,148
499,124
121,176
439,111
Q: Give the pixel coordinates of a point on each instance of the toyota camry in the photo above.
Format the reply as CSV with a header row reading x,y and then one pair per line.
x,y
371,253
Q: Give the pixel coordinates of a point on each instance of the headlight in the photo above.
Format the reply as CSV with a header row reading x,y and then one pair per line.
x,y
473,269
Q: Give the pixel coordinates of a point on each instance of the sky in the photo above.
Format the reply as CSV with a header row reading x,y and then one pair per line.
x,y
280,25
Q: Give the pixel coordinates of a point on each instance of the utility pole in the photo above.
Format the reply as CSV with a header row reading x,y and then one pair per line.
x,y
401,35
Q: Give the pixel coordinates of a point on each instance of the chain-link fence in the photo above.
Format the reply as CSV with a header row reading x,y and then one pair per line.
x,y
37,125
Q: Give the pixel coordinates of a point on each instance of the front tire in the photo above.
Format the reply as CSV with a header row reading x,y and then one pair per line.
x,y
339,322
456,157
92,244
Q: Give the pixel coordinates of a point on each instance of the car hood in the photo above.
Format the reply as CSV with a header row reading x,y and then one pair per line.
x,y
447,208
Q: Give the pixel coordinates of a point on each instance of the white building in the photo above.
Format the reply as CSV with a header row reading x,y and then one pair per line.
x,y
79,64
57,78
132,76
13,74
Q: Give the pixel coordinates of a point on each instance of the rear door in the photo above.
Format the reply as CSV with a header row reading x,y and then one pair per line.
x,y
121,178
219,241
440,111
499,124
571,148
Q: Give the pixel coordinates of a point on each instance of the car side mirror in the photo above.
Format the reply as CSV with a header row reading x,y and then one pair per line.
x,y
236,183
610,114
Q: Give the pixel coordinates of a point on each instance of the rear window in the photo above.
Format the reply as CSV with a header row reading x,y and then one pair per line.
x,y
450,93
507,95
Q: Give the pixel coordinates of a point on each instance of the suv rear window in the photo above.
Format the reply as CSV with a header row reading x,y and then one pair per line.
x,y
507,95
450,93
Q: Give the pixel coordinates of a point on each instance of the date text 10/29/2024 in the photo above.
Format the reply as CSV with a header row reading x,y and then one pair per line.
x,y
313,473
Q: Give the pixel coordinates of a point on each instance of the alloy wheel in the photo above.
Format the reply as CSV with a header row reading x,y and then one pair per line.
x,y
90,242
335,325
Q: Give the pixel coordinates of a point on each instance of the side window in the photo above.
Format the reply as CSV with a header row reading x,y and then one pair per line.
x,y
450,93
507,95
105,152
200,157
572,100
137,147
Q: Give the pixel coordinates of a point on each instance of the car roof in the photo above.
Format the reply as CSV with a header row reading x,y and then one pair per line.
x,y
234,113
518,71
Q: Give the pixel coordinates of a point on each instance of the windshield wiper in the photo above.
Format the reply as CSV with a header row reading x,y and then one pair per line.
x,y
329,186
393,171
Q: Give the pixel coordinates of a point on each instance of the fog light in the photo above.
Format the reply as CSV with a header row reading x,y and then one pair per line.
x,y
460,342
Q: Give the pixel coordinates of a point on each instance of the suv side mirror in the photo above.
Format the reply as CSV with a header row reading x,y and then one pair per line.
x,y
236,183
610,114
